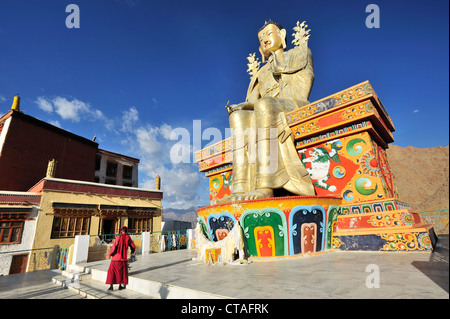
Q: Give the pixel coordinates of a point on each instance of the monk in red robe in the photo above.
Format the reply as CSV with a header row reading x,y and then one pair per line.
x,y
118,269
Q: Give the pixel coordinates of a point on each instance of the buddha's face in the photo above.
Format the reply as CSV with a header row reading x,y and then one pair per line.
x,y
271,39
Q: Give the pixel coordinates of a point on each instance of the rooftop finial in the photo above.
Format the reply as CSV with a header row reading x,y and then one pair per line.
x,y
51,168
158,182
16,103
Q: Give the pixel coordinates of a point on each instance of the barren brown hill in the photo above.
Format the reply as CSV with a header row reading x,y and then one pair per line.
x,y
421,176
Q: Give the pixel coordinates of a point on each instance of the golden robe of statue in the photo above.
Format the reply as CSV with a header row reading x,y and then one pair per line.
x,y
264,155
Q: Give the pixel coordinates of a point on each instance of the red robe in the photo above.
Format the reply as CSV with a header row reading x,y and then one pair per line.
x,y
118,269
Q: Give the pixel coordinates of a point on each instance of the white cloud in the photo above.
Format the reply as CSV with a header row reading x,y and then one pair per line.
x,y
165,130
416,111
2,99
44,104
180,181
71,110
148,142
74,110
55,123
129,119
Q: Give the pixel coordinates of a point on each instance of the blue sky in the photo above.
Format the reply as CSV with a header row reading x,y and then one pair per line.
x,y
136,70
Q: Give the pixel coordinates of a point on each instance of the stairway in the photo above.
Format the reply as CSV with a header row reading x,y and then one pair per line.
x,y
80,280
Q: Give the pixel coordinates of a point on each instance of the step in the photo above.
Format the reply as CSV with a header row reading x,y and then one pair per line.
x,y
92,286
76,275
158,290
81,283
61,280
78,268
93,289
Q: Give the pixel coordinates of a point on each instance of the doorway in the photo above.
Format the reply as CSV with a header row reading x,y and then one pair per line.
x,y
18,264
108,229
109,226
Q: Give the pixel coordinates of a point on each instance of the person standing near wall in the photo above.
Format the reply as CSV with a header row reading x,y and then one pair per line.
x,y
118,269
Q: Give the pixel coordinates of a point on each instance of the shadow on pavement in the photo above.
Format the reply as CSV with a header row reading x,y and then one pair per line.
x,y
132,273
437,268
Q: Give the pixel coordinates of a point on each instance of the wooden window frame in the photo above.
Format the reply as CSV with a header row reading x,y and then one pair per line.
x,y
67,226
10,228
139,224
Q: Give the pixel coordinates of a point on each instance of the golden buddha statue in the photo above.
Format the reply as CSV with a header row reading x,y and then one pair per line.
x,y
264,155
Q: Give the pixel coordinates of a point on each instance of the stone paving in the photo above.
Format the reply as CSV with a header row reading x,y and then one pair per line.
x,y
33,285
329,275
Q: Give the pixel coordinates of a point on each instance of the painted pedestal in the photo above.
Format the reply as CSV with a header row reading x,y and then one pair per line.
x,y
342,141
274,227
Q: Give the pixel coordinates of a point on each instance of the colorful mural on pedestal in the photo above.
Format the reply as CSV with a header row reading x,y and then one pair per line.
x,y
220,225
220,185
390,241
307,224
277,227
349,167
342,141
265,231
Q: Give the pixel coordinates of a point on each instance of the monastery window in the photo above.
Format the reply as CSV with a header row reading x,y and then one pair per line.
x,y
127,172
10,231
139,225
98,160
111,169
70,226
